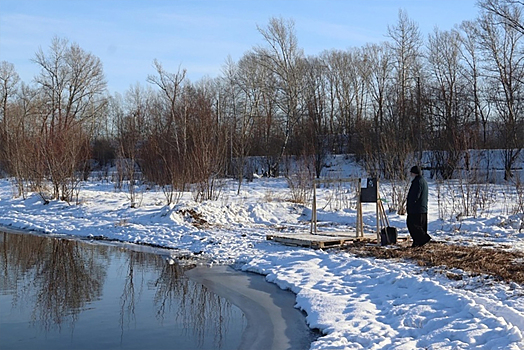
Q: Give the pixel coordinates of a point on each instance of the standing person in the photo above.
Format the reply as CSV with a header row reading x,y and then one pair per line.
x,y
417,205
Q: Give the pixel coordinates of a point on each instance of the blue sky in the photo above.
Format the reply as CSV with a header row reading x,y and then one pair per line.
x,y
127,35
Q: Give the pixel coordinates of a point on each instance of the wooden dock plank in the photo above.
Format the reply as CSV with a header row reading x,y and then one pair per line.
x,y
317,241
313,241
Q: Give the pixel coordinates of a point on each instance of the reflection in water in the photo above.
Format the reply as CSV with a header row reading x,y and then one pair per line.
x,y
200,305
61,277
105,296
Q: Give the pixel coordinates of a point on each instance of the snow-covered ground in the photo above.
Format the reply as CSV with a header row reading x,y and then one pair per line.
x,y
358,303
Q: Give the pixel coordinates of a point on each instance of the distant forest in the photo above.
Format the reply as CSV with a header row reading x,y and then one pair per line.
x,y
386,103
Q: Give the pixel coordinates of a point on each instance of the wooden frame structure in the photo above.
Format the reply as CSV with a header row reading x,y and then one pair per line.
x,y
313,229
367,192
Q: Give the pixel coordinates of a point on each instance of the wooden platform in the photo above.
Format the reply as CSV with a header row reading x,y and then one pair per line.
x,y
317,241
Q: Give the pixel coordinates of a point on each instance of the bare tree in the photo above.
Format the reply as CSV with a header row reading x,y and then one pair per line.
x,y
405,124
206,141
241,104
17,151
347,81
379,62
131,126
450,112
9,81
472,73
406,45
259,97
71,88
285,60
315,133
502,45
166,148
508,11
170,85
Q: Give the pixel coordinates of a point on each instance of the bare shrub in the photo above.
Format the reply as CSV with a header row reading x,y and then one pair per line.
x,y
519,204
465,197
300,187
128,178
340,194
205,164
299,176
171,194
163,165
209,189
398,195
273,196
130,126
392,164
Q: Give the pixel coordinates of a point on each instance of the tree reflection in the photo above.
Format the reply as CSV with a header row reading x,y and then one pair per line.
x,y
198,308
68,280
62,276
55,279
136,263
191,304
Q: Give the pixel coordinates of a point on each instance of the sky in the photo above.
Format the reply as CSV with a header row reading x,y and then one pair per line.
x,y
199,36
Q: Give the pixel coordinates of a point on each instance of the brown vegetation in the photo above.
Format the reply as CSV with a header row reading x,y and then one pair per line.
x,y
476,260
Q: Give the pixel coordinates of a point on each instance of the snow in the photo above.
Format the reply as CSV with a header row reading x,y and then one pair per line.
x,y
358,303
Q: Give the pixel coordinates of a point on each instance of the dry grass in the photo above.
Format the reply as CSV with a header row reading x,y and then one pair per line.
x,y
501,264
196,218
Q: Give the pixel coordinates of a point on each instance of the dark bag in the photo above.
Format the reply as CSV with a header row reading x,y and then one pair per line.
x,y
388,235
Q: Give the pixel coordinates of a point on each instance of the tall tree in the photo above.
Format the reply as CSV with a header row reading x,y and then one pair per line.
x,y
509,11
503,45
9,81
450,111
242,100
315,135
131,126
285,60
406,127
348,79
71,88
472,73
165,150
379,86
170,85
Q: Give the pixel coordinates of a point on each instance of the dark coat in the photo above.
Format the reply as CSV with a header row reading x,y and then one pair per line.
x,y
417,202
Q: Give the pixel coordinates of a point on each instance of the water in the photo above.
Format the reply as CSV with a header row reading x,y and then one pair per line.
x,y
69,294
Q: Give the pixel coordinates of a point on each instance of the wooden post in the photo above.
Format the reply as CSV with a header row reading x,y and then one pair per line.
x,y
313,229
360,223
361,220
377,209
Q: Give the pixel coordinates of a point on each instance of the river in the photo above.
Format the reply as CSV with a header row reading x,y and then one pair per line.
x,y
67,293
